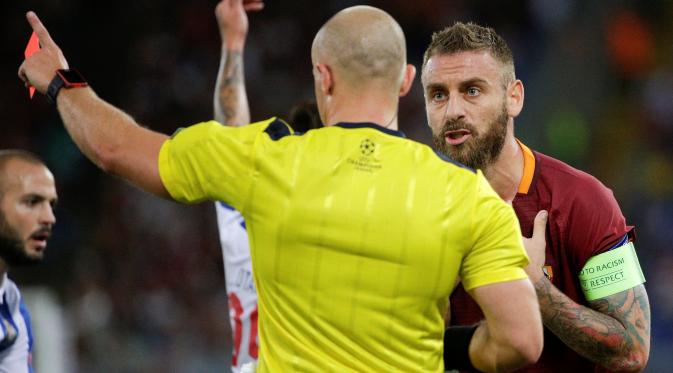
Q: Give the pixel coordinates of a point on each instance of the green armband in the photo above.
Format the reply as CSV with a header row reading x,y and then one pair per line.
x,y
611,272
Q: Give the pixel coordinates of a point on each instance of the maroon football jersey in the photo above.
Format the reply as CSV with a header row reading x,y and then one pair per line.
x,y
584,221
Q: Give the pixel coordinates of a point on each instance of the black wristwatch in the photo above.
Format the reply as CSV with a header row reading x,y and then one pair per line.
x,y
64,79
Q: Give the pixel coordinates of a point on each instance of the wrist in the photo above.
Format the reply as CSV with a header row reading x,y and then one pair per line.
x,y
535,272
536,277
540,284
233,43
64,78
457,347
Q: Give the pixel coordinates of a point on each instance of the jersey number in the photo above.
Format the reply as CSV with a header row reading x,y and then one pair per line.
x,y
235,304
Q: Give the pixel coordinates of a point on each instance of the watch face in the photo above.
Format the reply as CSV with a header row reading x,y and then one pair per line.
x,y
72,78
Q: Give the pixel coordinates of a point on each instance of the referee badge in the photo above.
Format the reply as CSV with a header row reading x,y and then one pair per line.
x,y
367,147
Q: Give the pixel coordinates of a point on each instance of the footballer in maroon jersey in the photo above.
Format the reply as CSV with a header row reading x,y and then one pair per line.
x,y
584,220
472,97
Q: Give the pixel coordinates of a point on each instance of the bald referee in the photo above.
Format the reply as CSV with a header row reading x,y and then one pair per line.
x,y
388,225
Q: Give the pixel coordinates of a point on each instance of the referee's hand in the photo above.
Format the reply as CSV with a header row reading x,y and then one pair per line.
x,y
535,246
40,68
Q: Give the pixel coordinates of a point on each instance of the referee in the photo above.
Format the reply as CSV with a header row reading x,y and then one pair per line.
x,y
387,225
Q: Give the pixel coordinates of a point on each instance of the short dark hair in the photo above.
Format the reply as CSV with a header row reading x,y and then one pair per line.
x,y
305,116
466,37
24,155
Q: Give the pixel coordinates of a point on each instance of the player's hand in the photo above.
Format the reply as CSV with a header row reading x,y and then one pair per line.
x,y
233,22
40,68
535,246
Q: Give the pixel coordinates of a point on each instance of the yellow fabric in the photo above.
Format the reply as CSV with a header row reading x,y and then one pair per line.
x,y
356,235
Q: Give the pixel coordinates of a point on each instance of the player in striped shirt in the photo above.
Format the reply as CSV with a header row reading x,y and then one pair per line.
x,y
27,199
231,108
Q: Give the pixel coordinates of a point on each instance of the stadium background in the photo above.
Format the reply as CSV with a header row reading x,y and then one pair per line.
x,y
135,284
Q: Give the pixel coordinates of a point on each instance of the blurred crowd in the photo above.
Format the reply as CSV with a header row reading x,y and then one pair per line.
x,y
140,278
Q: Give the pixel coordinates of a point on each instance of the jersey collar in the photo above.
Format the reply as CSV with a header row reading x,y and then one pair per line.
x,y
528,169
373,126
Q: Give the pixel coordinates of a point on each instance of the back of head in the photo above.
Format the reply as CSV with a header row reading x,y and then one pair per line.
x,y
469,37
11,154
363,45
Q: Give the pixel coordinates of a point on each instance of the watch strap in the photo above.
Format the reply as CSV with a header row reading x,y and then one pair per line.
x,y
64,79
54,87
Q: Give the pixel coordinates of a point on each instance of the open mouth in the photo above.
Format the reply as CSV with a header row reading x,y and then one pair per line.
x,y
40,239
457,137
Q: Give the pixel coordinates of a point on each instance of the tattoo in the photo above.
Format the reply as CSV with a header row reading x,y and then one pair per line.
x,y
614,332
231,105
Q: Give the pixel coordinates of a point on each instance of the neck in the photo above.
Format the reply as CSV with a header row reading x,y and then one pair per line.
x,y
506,172
365,106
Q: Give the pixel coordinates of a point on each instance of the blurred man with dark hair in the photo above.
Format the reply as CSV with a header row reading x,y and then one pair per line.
x,y
304,116
585,270
231,108
27,199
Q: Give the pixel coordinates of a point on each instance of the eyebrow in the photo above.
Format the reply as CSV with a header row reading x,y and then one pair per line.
x,y
474,81
464,84
435,86
41,197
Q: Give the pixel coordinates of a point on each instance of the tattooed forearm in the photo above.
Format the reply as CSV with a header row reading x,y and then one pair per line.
x,y
614,334
230,101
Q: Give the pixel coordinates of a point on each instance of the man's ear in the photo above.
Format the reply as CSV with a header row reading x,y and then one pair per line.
x,y
325,78
515,96
408,81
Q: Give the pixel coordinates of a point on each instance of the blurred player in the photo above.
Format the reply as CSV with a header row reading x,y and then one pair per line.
x,y
231,108
357,234
588,279
27,199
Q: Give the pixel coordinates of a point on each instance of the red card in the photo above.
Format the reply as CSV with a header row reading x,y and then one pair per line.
x,y
32,47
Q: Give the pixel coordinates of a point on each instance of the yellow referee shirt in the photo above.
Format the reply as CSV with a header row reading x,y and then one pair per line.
x,y
356,234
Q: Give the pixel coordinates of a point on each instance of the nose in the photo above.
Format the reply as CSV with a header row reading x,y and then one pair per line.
x,y
455,108
47,215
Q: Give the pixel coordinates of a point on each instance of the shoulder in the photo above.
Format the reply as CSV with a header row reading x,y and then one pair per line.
x,y
576,186
583,208
273,126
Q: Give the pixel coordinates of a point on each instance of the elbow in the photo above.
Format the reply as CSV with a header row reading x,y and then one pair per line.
x,y
517,350
635,361
525,346
531,353
105,157
528,350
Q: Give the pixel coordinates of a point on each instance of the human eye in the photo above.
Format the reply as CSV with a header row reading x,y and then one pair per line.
x,y
32,201
473,91
438,96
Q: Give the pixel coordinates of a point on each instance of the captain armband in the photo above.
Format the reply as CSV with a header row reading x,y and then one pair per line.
x,y
611,272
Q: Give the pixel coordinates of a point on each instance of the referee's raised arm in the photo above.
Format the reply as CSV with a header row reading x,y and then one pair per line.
x,y
106,135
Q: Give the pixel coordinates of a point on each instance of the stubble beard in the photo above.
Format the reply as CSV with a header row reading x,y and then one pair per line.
x,y
12,248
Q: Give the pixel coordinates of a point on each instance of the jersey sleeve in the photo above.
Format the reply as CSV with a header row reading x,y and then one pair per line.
x,y
498,254
209,161
594,222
